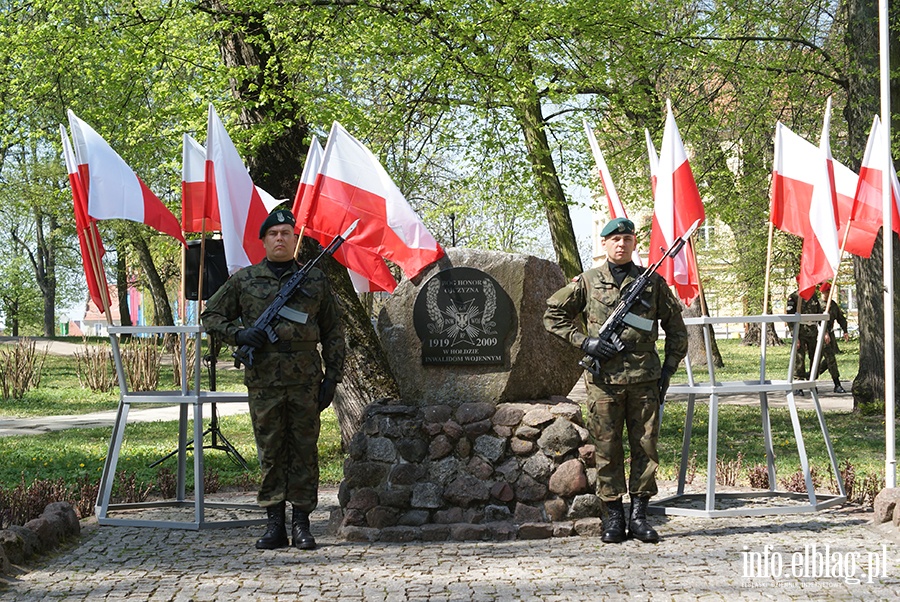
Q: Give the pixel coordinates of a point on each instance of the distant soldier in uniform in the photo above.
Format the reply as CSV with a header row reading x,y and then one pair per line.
x,y
808,339
286,385
632,383
830,349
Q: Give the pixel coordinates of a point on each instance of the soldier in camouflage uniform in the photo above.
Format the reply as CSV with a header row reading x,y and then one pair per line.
x,y
808,337
286,386
631,384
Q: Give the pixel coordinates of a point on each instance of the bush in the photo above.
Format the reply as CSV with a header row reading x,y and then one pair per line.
x,y
20,368
95,367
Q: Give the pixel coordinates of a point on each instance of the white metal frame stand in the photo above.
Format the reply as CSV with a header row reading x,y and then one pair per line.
x,y
186,397
763,387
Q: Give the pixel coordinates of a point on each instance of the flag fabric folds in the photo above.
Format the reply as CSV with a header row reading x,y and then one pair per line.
x,y
351,185
821,249
677,205
91,246
867,212
114,191
240,205
367,270
194,203
792,184
616,208
811,194
653,157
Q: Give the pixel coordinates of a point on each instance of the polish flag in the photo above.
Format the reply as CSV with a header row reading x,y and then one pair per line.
x,y
821,250
194,205
114,190
677,205
241,208
353,185
868,213
793,174
88,235
653,156
367,270
616,209
193,191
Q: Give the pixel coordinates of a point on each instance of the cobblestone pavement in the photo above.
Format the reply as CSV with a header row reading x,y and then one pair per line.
x,y
829,555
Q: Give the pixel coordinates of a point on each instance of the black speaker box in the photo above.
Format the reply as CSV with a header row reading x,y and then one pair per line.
x,y
215,270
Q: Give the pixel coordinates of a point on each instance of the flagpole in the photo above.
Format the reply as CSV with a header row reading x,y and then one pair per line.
x,y
299,242
765,307
202,266
97,268
890,461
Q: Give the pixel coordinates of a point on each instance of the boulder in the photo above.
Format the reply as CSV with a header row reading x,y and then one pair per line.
x,y
536,363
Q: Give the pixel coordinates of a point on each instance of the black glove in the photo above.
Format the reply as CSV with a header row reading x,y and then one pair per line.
x,y
664,378
326,393
598,348
252,337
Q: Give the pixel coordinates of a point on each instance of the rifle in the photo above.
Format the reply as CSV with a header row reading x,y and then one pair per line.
x,y
622,316
244,355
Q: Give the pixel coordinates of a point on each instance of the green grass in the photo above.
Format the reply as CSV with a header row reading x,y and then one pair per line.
x,y
742,362
75,453
60,392
856,438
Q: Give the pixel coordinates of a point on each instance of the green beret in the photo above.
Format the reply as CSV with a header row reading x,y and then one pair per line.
x,y
619,225
276,218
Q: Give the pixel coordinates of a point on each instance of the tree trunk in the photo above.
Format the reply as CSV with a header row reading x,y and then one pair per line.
x,y
696,342
531,120
162,313
868,386
122,287
276,166
47,274
43,262
862,104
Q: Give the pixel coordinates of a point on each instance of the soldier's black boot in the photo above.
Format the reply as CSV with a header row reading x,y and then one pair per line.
x,y
275,535
302,538
638,527
614,525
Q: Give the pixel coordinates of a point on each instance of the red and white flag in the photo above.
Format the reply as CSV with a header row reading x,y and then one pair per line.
x,y
868,213
653,157
114,190
677,205
794,173
86,227
194,203
303,200
241,208
353,185
616,208
367,270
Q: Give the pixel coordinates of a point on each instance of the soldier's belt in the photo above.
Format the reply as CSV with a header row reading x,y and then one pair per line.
x,y
288,346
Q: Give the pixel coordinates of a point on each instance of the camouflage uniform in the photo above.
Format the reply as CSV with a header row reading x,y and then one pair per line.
x,y
626,392
283,383
808,336
836,314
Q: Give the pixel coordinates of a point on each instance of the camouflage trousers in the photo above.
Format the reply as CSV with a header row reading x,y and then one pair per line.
x,y
286,427
806,346
635,407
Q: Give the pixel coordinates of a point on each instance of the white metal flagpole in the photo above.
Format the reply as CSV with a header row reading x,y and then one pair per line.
x,y
890,461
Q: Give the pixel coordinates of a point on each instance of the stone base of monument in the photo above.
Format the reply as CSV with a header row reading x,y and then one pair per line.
x,y
469,471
